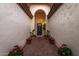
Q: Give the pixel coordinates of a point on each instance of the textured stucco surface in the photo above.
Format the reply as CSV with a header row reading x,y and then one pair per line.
x,y
64,26
14,27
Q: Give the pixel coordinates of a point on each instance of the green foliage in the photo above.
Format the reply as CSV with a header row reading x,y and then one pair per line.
x,y
17,53
64,50
67,51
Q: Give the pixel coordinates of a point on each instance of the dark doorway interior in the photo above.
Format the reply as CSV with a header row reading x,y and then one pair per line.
x,y
39,28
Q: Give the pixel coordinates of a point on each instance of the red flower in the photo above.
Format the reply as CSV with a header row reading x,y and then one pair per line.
x,y
63,45
17,48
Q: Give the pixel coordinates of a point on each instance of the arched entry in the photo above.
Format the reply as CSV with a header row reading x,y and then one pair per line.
x,y
40,22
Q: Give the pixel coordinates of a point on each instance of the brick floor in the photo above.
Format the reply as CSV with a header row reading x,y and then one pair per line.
x,y
40,47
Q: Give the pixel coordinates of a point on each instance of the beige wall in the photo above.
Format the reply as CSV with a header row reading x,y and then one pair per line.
x,y
14,27
64,26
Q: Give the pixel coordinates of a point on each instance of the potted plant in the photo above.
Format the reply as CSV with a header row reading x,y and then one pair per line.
x,y
47,34
64,50
51,40
44,26
17,51
29,40
32,33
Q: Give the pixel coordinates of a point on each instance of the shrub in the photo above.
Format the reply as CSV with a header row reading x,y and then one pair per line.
x,y
17,51
64,50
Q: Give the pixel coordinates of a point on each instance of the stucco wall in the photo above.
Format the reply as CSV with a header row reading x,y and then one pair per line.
x,y
14,27
64,26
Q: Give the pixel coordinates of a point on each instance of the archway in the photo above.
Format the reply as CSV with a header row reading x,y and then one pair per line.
x,y
40,22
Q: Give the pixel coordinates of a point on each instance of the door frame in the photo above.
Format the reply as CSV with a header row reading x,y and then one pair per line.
x,y
35,25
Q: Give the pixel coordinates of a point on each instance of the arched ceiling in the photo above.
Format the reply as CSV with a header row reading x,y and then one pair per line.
x,y
34,7
53,8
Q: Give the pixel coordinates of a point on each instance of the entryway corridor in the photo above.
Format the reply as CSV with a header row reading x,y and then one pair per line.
x,y
19,21
40,47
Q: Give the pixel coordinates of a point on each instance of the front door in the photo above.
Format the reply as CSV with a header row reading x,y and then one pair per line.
x,y
39,28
